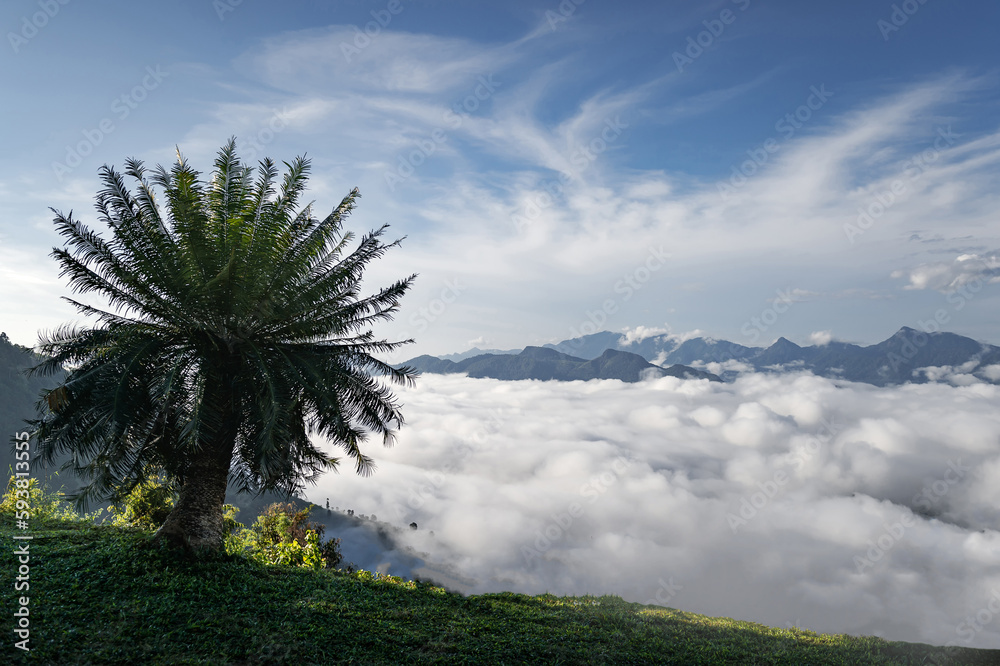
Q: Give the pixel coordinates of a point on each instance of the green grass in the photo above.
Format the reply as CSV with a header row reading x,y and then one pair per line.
x,y
102,595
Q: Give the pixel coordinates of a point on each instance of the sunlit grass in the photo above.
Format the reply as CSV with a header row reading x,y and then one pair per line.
x,y
101,594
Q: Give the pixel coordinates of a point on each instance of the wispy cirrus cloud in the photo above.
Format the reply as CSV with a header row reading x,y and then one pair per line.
x,y
394,121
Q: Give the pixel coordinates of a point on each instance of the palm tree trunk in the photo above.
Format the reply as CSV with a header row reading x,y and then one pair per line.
x,y
196,523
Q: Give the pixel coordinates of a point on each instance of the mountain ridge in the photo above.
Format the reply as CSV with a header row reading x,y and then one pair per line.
x,y
907,356
546,363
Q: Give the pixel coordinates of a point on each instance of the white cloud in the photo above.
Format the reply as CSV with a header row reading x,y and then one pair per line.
x,y
966,270
820,338
720,367
991,372
328,60
602,221
358,121
603,487
27,307
631,336
960,375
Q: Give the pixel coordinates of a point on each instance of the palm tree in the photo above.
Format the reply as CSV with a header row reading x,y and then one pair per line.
x,y
235,329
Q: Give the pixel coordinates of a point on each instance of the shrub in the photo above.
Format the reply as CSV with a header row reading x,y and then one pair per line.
x,y
330,552
283,535
282,522
27,499
147,506
229,523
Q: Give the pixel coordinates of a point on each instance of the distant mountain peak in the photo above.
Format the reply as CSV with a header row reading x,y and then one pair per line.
x,y
548,354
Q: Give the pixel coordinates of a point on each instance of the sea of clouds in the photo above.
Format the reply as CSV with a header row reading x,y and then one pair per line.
x,y
790,500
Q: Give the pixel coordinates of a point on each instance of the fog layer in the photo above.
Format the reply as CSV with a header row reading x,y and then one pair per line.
x,y
783,499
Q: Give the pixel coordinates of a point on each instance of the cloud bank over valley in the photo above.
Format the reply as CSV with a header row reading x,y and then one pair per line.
x,y
785,499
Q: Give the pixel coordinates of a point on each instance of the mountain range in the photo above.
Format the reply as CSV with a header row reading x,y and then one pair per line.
x,y
909,355
544,364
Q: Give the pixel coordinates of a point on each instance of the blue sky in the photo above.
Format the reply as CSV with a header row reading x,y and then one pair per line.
x,y
747,169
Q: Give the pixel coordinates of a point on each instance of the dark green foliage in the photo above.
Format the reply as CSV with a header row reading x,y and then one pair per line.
x,y
282,534
285,522
101,595
329,550
236,328
147,505
43,505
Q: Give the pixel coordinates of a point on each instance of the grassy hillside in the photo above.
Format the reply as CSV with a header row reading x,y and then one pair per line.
x,y
101,595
